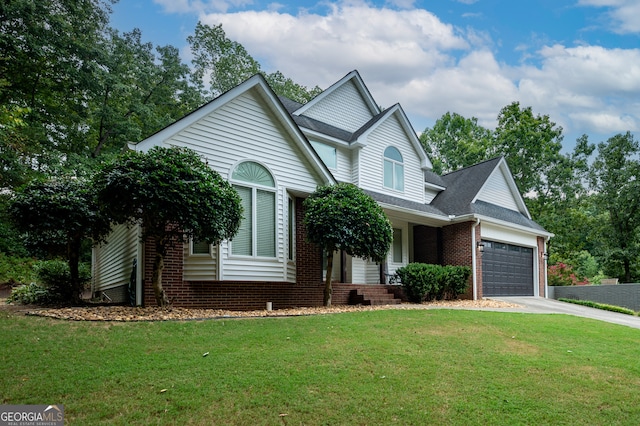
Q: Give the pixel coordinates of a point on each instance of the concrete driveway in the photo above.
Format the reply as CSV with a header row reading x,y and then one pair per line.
x,y
539,305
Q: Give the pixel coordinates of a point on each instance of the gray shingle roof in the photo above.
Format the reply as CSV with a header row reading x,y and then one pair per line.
x,y
462,187
401,202
496,212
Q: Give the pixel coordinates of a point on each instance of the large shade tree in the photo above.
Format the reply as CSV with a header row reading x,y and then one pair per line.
x,y
57,217
615,181
174,196
343,217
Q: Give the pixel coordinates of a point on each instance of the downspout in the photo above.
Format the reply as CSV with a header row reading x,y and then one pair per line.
x,y
545,259
474,255
140,269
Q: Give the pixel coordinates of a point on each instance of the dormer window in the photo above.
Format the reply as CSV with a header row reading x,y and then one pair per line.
x,y
393,169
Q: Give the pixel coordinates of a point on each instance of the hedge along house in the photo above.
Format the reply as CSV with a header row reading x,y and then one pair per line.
x,y
276,152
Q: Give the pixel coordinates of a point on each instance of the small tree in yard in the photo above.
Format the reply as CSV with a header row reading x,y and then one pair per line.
x,y
56,217
174,196
343,217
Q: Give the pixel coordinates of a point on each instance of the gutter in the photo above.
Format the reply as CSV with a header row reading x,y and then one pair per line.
x,y
474,260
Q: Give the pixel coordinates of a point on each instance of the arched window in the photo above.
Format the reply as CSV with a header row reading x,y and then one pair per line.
x,y
257,233
393,169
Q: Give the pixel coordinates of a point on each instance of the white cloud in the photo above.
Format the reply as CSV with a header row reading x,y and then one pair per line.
x,y
392,45
624,14
431,67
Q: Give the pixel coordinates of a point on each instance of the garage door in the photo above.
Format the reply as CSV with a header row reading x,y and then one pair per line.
x,y
507,270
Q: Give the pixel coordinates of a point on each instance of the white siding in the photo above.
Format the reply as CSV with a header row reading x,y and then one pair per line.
x,y
343,108
343,174
240,130
501,234
390,133
200,267
364,271
112,262
429,195
497,191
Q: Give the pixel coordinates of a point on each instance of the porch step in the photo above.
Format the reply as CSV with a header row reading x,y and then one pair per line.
x,y
372,296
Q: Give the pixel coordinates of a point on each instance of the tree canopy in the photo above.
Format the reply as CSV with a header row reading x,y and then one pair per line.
x,y
56,217
174,196
343,217
615,181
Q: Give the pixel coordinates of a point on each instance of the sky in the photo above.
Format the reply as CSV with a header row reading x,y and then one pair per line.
x,y
577,61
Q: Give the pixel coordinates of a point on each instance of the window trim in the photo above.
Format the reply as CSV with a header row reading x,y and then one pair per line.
x,y
394,170
254,188
193,253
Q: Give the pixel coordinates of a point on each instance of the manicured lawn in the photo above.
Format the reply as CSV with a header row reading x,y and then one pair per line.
x,y
381,367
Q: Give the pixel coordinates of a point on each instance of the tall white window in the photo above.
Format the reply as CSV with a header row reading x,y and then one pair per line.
x,y
257,234
291,225
393,169
396,248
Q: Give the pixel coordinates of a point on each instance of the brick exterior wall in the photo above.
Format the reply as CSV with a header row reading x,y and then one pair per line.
x,y
249,295
541,266
457,250
426,245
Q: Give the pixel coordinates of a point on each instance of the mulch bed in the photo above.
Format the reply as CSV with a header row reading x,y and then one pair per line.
x,y
126,313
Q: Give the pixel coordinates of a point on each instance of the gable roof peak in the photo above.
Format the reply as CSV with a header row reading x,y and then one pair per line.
x,y
352,77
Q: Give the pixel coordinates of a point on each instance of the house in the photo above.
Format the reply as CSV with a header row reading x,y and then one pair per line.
x,y
276,152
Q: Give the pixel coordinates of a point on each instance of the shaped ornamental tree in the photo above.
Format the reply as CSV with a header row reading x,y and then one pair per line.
x,y
343,217
174,196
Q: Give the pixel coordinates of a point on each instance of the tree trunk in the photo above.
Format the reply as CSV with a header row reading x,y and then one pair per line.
x,y
73,259
327,282
156,280
627,271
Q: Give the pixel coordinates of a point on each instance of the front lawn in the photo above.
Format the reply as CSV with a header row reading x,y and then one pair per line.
x,y
381,367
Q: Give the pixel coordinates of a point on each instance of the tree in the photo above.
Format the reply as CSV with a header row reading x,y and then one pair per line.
x,y
615,180
57,216
219,63
284,86
136,92
455,142
48,53
343,217
174,196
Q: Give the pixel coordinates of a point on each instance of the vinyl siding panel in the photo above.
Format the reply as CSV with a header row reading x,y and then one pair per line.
x,y
391,133
429,195
364,271
245,130
200,267
507,235
112,262
343,108
496,191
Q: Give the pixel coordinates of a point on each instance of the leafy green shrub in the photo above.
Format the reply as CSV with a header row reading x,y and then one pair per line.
x,y
55,275
596,305
453,281
33,293
16,270
423,281
419,280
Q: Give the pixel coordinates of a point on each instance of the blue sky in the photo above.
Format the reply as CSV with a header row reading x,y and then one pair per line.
x,y
577,61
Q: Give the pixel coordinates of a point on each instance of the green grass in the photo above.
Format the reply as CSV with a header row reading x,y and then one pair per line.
x,y
603,306
446,367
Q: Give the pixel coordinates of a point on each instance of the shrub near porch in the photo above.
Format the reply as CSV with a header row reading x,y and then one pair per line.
x,y
422,281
